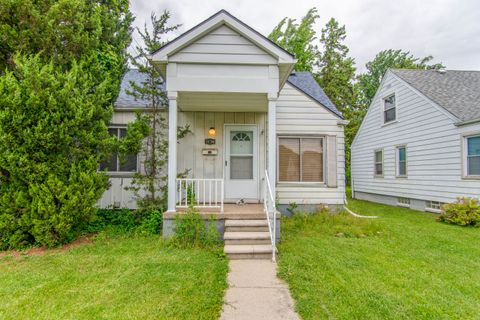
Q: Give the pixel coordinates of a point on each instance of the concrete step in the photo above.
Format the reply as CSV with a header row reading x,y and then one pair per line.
x,y
246,223
246,229
245,238
258,225
236,252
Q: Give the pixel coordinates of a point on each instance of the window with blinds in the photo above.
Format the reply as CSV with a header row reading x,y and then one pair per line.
x,y
300,159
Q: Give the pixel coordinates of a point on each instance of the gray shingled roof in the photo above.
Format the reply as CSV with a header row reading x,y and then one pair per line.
x,y
125,100
456,91
305,82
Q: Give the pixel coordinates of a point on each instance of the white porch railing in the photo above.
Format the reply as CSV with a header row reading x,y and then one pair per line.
x,y
200,193
271,213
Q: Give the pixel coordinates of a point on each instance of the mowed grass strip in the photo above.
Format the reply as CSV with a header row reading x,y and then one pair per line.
x,y
404,265
114,278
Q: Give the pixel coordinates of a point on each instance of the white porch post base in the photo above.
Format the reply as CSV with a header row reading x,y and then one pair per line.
x,y
272,141
172,149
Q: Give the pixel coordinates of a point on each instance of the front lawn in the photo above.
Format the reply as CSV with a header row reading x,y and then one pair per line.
x,y
114,278
403,265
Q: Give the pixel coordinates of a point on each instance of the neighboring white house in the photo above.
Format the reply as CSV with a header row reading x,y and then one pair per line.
x,y
251,116
419,144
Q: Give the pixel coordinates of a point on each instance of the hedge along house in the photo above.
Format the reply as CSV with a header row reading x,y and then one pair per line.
x,y
261,132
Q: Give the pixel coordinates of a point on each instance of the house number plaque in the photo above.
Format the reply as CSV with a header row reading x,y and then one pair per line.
x,y
209,141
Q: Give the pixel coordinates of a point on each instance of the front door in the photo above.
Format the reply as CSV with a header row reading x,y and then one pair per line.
x,y
241,162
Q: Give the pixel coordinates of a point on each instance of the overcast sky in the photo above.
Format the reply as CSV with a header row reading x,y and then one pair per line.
x,y
447,29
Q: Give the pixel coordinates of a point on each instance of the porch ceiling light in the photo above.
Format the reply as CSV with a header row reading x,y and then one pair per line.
x,y
212,131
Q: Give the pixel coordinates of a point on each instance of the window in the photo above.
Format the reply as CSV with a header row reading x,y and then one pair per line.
x,y
433,206
378,163
300,159
113,164
389,113
401,161
473,156
403,202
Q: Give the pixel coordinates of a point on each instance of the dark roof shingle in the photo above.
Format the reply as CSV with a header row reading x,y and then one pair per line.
x,y
124,100
305,82
456,91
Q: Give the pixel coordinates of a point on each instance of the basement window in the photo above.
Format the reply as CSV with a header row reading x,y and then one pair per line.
x,y
433,206
403,202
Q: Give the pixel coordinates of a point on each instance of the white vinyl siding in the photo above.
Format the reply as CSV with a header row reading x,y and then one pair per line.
x,y
434,159
299,115
223,45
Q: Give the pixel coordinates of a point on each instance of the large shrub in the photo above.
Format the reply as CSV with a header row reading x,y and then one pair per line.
x,y
60,68
463,212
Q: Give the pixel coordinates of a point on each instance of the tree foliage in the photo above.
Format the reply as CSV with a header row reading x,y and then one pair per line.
x,y
369,81
61,66
299,39
336,72
148,133
336,76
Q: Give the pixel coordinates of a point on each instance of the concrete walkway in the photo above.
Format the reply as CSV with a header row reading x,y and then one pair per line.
x,y
255,292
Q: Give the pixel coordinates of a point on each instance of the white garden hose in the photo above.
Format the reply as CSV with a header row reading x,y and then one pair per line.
x,y
357,215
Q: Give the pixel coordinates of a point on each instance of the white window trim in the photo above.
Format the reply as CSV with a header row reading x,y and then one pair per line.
x,y
386,96
464,143
122,174
304,183
397,161
375,175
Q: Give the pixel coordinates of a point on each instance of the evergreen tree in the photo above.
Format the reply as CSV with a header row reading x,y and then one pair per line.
x,y
61,67
336,70
298,39
336,76
148,133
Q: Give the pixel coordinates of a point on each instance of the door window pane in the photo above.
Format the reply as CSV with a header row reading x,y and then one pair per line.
x,y
312,160
241,167
241,142
289,159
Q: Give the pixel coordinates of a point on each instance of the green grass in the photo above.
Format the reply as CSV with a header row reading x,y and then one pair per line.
x,y
404,265
114,278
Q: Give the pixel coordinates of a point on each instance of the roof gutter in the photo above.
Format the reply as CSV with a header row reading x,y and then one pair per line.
x,y
464,123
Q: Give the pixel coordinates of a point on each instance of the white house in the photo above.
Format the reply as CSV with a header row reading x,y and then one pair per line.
x,y
419,144
254,120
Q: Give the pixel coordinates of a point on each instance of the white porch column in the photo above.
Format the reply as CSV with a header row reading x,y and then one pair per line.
x,y
272,141
172,149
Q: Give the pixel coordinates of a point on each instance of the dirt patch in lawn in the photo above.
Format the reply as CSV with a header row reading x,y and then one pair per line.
x,y
40,251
